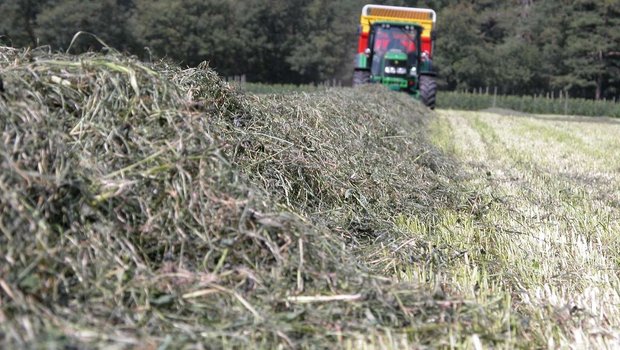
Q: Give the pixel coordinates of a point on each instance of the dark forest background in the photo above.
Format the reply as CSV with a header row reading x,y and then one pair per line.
x,y
518,46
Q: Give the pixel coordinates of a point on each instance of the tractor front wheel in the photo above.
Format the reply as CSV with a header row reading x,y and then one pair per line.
x,y
361,77
428,90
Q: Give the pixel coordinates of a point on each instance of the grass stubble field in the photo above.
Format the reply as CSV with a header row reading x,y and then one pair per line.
x,y
145,206
546,240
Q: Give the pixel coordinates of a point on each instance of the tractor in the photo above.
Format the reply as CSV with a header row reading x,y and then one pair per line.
x,y
395,49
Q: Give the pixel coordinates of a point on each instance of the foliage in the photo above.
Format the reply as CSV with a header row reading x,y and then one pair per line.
x,y
18,21
528,47
59,21
529,104
189,31
592,47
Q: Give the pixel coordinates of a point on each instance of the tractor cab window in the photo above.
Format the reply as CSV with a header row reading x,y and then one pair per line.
x,y
394,38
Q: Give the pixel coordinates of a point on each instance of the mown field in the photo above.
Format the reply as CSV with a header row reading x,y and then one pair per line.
x,y
146,206
541,248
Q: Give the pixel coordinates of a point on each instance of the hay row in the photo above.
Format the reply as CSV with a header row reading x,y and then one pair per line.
x,y
145,204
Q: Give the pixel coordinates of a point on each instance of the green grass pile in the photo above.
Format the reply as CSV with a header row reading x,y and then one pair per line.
x,y
148,205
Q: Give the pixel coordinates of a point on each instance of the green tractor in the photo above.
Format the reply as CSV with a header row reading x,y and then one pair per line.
x,y
395,49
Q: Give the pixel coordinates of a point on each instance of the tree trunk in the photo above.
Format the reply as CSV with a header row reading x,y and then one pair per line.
x,y
29,14
599,87
599,80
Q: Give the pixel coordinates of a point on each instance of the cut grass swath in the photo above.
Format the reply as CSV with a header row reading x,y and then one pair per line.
x,y
145,204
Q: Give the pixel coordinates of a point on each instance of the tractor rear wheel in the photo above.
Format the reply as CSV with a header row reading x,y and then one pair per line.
x,y
428,90
361,77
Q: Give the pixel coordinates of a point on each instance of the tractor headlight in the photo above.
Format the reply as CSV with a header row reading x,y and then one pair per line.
x,y
413,72
401,70
390,70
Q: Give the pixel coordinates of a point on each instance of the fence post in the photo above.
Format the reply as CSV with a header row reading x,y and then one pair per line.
x,y
565,102
495,97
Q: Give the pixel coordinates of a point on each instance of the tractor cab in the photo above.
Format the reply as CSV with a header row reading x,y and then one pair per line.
x,y
394,53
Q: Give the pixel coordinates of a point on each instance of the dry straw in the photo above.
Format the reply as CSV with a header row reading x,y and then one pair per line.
x,y
144,204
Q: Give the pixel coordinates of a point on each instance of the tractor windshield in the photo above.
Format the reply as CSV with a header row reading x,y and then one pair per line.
x,y
394,38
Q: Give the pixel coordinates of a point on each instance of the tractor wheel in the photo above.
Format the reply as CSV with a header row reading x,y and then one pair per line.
x,y
361,77
428,91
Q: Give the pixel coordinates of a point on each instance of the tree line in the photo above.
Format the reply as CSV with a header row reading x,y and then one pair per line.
x,y
519,46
